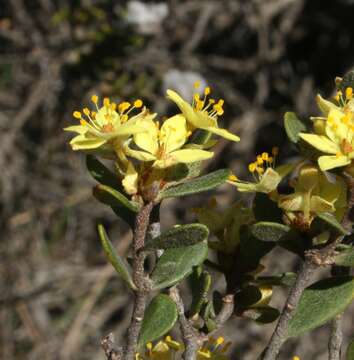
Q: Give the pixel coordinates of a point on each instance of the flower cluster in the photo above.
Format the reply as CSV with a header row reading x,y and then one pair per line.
x,y
142,145
169,349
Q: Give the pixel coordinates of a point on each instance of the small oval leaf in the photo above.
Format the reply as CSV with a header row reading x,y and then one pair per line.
x,y
202,183
320,303
293,126
262,315
345,257
200,287
269,231
176,264
117,262
179,236
159,318
112,197
330,221
101,173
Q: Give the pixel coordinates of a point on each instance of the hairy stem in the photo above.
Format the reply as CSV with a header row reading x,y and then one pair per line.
x,y
280,333
141,225
335,340
191,338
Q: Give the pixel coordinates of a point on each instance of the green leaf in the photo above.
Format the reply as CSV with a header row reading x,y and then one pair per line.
x,y
269,231
102,174
159,318
285,279
179,236
330,222
265,209
350,351
112,197
293,126
262,315
181,171
320,303
345,257
176,264
200,287
202,183
117,262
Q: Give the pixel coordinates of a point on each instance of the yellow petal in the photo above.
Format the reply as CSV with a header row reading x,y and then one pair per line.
x,y
293,202
319,205
77,128
130,181
325,105
269,182
147,140
191,155
331,162
223,133
321,143
127,129
81,142
173,133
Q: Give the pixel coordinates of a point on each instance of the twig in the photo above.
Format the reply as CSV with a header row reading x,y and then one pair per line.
x,y
192,340
141,225
112,353
335,340
280,333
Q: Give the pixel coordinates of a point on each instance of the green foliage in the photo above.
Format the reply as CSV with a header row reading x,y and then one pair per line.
x,y
159,318
117,262
179,236
201,282
262,315
285,279
269,231
331,223
200,184
350,351
176,264
347,81
320,303
179,172
293,126
345,257
102,174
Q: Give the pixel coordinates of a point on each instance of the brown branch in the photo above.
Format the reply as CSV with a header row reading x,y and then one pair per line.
x,y
335,340
112,353
192,340
141,225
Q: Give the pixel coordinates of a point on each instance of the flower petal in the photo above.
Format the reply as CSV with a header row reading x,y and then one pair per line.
x,y
224,133
77,128
321,143
331,162
191,155
81,142
147,140
319,205
130,181
173,133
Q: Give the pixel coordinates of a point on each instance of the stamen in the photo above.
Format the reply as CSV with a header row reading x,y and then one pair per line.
x,y
94,99
233,178
83,122
207,91
252,167
348,93
77,114
138,103
265,156
259,160
122,107
106,102
86,111
196,84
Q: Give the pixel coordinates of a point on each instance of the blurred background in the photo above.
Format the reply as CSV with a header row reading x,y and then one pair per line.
x,y
57,295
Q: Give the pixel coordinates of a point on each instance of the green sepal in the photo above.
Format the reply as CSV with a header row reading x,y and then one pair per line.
x,y
197,185
116,261
179,236
175,264
201,283
159,318
269,231
293,126
320,303
102,174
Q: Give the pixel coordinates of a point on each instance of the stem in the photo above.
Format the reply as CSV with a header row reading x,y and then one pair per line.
x,y
280,333
335,340
140,228
191,338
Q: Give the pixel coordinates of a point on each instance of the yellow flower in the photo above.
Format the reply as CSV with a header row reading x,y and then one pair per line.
x,y
164,350
202,113
164,145
108,125
313,195
267,178
130,180
214,349
337,140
